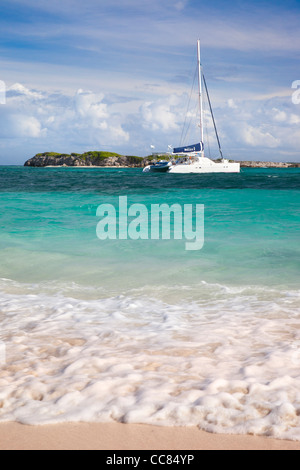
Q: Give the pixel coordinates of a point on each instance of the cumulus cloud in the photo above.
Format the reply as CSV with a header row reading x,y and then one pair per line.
x,y
279,115
19,126
18,90
90,106
53,119
86,120
93,116
27,126
262,124
258,137
161,115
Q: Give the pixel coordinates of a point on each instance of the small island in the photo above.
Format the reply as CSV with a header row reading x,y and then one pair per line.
x,y
87,159
111,159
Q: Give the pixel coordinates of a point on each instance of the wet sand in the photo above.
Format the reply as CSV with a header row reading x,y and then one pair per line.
x,y
85,436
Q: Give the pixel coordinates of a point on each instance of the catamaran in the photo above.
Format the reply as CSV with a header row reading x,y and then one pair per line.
x,y
191,158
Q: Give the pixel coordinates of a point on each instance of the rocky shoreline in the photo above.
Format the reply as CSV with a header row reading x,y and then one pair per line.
x,y
254,164
88,159
109,159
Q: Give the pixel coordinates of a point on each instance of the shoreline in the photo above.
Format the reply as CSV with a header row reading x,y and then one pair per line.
x,y
87,166
116,436
130,167
100,159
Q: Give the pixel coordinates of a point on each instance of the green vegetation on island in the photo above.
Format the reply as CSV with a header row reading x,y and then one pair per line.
x,y
91,158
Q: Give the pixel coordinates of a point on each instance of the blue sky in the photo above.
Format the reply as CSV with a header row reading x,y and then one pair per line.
x,y
116,75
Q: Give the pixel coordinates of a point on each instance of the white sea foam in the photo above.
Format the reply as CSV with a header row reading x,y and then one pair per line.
x,y
226,359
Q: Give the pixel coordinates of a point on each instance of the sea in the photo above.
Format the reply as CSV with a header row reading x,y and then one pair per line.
x,y
144,330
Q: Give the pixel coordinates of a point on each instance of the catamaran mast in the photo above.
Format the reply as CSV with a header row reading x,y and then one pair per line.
x,y
200,97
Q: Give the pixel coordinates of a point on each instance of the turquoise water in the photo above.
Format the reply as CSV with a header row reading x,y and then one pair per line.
x,y
205,324
49,217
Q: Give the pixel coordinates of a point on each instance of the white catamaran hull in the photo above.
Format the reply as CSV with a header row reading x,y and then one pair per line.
x,y
205,165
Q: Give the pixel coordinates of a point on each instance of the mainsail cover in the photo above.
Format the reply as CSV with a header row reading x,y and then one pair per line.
x,y
191,148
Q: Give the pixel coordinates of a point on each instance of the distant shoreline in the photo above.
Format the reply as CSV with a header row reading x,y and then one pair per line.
x,y
251,165
86,167
95,159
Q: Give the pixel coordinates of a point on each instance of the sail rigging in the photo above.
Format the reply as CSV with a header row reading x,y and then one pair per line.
x,y
201,80
212,116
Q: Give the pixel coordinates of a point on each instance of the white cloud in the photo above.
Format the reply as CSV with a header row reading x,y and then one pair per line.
x,y
20,126
18,90
52,119
261,125
27,126
257,137
294,119
89,104
231,104
162,115
86,120
279,115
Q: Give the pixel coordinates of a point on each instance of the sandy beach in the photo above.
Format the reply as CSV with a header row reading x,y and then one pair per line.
x,y
85,436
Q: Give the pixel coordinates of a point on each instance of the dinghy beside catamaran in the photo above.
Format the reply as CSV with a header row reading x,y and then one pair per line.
x,y
191,159
161,166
